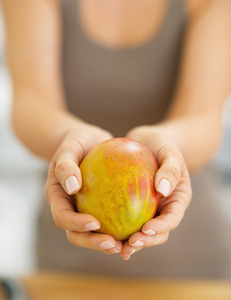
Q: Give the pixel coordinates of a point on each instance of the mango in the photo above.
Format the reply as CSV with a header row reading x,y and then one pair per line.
x,y
118,186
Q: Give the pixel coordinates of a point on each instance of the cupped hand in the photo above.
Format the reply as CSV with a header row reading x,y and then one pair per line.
x,y
64,180
172,183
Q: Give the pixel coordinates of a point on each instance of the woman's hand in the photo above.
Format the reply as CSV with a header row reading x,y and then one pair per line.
x,y
64,180
172,182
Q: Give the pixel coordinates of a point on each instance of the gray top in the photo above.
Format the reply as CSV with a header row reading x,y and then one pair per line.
x,y
120,89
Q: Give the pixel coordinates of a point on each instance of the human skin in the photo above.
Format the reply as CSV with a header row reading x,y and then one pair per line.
x,y
44,125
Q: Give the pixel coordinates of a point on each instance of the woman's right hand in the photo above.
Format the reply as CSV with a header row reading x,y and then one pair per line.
x,y
64,180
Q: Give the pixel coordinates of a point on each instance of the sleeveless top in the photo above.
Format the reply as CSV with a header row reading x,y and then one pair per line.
x,y
119,89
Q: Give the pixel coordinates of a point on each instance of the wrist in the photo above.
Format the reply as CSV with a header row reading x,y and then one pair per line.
x,y
148,134
87,135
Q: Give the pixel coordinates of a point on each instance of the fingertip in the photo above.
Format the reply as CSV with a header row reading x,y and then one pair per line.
x,y
118,246
164,187
136,244
92,226
86,223
150,228
71,185
125,256
106,245
149,232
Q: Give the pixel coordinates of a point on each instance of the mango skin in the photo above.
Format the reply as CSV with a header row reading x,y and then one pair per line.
x,y
118,186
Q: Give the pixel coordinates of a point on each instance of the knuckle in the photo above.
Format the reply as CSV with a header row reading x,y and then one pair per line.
x,y
61,167
75,225
162,152
73,145
171,221
165,224
168,226
77,147
176,221
57,221
63,148
163,239
90,242
175,172
60,218
166,150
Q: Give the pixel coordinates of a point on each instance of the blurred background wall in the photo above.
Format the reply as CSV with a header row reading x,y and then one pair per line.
x,y
22,183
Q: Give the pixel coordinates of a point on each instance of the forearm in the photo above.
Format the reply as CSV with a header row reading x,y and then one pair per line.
x,y
195,117
41,125
34,58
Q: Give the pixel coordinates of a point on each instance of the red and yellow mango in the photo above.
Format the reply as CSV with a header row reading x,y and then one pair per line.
x,y
118,186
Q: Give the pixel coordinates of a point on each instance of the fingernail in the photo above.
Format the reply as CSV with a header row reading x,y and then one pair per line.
x,y
137,244
92,226
129,253
71,184
134,250
106,245
164,187
114,250
149,232
127,258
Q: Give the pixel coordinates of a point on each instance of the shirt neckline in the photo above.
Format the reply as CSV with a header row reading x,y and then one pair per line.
x,y
99,46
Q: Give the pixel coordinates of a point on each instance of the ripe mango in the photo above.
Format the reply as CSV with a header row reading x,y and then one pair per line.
x,y
118,186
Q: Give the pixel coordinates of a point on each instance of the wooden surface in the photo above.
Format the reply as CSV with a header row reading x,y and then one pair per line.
x,y
1,295
48,286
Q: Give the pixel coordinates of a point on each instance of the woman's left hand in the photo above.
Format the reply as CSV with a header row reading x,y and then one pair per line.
x,y
172,183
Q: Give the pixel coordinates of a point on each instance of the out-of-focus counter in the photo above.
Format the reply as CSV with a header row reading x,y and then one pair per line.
x,y
65,286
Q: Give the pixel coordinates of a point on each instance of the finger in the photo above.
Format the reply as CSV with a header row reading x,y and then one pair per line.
x,y
126,256
62,208
117,248
168,219
97,241
66,218
66,160
168,176
127,251
140,239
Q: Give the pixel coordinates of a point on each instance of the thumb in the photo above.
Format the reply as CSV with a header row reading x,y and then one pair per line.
x,y
171,163
67,160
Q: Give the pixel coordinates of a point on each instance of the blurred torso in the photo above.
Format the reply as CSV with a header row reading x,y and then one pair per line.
x,y
118,83
120,61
